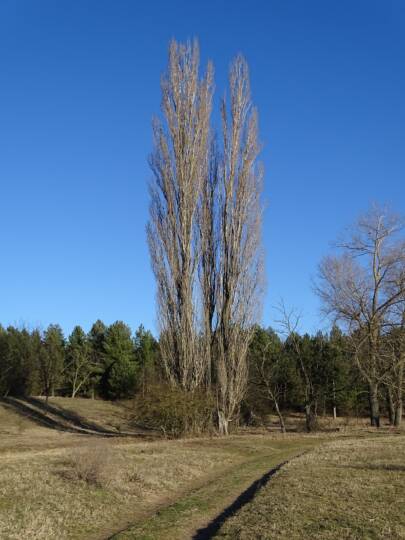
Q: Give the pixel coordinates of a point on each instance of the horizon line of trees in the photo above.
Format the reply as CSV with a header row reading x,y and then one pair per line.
x,y
110,363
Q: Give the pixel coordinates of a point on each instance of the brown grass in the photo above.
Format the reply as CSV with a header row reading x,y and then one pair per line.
x,y
20,432
76,493
55,484
346,489
95,463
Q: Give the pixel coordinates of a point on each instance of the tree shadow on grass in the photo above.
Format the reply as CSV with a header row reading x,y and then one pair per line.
x,y
68,415
245,497
55,417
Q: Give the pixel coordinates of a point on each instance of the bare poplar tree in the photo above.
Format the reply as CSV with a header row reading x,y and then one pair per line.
x,y
362,288
240,263
204,230
208,228
180,165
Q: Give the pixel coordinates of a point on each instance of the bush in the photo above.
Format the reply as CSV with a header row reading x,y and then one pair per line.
x,y
95,464
175,412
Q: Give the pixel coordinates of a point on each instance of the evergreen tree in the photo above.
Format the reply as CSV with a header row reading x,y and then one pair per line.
x,y
51,359
119,378
96,339
146,352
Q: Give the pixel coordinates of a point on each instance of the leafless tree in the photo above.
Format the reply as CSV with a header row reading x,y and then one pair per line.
x,y
204,231
209,234
362,288
265,366
240,262
79,371
289,323
180,163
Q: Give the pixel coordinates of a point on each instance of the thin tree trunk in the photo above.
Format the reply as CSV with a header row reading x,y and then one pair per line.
x,y
398,415
274,400
391,407
334,401
374,405
398,400
280,416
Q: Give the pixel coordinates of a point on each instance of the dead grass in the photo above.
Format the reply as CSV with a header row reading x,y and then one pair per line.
x,y
20,432
96,464
113,415
55,484
65,493
345,489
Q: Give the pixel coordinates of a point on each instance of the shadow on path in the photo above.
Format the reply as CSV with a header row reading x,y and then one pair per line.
x,y
245,497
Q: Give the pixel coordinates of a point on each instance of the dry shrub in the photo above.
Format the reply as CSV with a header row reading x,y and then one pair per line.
x,y
175,412
96,464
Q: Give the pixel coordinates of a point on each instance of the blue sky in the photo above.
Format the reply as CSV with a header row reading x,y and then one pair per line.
x,y
79,84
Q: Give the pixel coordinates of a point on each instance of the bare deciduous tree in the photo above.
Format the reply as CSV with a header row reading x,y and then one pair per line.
x,y
265,364
289,323
362,288
179,164
240,263
208,268
204,231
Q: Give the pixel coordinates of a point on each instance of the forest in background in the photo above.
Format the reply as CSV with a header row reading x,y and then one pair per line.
x,y
109,362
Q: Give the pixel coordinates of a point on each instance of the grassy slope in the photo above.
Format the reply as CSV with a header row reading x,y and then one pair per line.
x,y
345,489
20,431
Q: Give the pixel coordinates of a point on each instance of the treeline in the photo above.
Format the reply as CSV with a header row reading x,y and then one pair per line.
x,y
108,362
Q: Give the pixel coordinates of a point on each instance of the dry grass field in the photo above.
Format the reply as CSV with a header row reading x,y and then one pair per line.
x,y
344,489
71,470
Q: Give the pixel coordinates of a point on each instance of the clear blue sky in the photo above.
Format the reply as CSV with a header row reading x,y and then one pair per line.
x,y
79,84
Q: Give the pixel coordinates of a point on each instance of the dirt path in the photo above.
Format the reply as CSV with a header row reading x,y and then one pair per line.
x,y
199,513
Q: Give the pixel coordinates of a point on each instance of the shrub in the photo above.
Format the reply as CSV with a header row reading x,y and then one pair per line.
x,y
95,464
174,412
